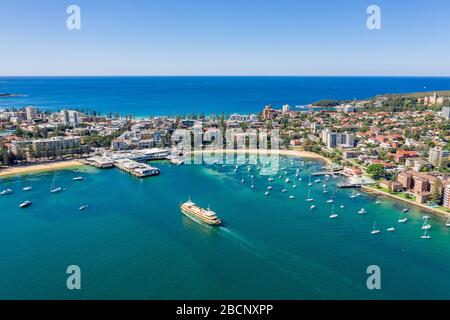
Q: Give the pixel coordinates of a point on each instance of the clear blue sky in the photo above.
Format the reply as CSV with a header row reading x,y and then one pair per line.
x,y
225,37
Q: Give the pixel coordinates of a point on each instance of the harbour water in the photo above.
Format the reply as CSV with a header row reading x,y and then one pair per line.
x,y
132,242
147,96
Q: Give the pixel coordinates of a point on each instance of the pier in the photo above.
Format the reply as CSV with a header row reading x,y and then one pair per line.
x,y
324,173
348,185
140,170
132,161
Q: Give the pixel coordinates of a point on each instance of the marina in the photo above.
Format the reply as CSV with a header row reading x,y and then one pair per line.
x,y
313,235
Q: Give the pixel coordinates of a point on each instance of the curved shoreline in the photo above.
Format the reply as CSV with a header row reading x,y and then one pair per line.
x,y
393,196
266,152
13,171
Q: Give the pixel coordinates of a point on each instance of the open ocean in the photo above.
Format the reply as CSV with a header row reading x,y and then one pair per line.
x,y
147,96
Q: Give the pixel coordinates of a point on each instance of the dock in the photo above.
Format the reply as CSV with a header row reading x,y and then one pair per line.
x,y
140,170
133,161
348,185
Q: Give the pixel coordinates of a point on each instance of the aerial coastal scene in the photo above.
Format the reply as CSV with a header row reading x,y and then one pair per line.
x,y
348,177
213,175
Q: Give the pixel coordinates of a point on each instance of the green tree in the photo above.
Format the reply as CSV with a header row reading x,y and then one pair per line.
x,y
436,192
377,171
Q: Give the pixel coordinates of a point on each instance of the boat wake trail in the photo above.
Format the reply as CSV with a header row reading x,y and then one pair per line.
x,y
260,250
302,270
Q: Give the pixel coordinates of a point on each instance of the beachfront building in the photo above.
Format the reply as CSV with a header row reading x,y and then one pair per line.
x,y
334,139
418,183
48,147
56,144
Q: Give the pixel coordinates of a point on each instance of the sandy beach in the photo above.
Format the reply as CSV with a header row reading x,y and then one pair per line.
x,y
289,153
12,171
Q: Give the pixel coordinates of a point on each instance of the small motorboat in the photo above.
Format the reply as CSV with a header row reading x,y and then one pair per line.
x,y
25,204
6,192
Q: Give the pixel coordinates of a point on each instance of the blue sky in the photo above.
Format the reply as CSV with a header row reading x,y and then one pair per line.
x,y
229,37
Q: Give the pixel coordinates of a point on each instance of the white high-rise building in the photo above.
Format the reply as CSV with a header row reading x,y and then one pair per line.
x,y
70,117
31,113
286,108
437,154
335,139
446,112
447,196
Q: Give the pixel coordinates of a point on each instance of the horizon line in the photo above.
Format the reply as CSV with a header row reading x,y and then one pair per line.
x,y
225,75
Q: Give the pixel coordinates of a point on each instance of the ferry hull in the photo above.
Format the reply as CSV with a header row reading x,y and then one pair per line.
x,y
198,218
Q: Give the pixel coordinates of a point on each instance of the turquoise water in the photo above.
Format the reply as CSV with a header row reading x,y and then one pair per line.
x,y
133,243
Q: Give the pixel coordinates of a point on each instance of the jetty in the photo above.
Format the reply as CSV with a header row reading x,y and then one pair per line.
x,y
140,170
133,161
349,185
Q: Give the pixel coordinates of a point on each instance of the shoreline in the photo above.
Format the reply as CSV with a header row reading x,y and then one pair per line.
x,y
44,167
393,196
266,152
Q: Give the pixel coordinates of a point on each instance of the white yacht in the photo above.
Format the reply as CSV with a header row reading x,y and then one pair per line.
x,y
425,236
6,192
25,204
27,188
309,199
375,230
313,207
391,229
83,207
362,211
284,190
333,215
426,225
53,188
78,179
292,197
